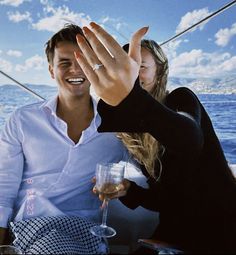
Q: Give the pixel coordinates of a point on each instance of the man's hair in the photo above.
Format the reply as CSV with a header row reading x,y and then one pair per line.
x,y
66,34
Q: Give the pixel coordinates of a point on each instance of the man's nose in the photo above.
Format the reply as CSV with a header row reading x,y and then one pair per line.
x,y
140,74
75,67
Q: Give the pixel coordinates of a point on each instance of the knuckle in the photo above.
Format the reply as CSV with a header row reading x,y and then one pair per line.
x,y
98,47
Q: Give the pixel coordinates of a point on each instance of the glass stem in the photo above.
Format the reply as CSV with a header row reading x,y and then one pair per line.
x,y
104,214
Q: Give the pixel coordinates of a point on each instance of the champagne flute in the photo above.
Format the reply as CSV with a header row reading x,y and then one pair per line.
x,y
108,178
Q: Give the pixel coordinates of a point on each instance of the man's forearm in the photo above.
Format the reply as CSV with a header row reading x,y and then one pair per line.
x,y
4,237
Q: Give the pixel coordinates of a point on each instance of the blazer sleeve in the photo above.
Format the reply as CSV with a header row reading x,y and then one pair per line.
x,y
140,112
145,197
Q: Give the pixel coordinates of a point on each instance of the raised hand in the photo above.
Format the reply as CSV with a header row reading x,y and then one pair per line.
x,y
111,71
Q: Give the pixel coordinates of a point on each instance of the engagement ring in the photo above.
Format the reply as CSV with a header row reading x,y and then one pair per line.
x,y
97,66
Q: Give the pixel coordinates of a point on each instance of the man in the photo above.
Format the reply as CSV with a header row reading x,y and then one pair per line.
x,y
49,150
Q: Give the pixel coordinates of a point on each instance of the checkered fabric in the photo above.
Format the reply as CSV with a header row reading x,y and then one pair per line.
x,y
57,235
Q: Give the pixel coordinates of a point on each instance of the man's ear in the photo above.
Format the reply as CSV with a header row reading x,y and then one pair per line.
x,y
50,68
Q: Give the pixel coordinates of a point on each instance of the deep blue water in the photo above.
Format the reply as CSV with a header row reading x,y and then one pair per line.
x,y
221,109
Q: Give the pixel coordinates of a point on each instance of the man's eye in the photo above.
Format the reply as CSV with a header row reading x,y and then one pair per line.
x,y
143,67
64,64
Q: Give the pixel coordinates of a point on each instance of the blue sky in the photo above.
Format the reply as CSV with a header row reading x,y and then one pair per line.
x,y
208,51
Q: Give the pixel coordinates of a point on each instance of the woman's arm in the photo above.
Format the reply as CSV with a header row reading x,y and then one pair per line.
x,y
139,196
140,112
114,83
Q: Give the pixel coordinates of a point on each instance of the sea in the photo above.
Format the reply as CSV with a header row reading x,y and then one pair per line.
x,y
220,107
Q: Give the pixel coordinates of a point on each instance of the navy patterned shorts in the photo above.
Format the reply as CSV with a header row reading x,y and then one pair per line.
x,y
57,235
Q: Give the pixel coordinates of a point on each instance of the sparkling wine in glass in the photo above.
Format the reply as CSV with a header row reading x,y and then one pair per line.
x,y
108,178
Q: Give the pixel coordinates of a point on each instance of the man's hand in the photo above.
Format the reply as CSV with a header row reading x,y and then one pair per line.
x,y
4,236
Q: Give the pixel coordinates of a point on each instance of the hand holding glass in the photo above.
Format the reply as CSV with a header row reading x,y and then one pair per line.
x,y
108,178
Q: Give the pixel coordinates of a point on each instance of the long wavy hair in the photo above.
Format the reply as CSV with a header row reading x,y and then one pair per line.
x,y
144,147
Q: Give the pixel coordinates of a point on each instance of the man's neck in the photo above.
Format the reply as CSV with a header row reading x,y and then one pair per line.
x,y
77,113
67,107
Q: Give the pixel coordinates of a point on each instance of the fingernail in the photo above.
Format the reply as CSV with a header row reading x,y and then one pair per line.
x,y
76,55
86,30
93,25
79,38
145,29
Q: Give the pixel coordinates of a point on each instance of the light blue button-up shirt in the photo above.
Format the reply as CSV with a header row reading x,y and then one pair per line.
x,y
43,172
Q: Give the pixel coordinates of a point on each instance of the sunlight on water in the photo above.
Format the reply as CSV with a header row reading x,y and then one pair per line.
x,y
221,108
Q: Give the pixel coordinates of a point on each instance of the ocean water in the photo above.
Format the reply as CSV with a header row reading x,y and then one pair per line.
x,y
221,109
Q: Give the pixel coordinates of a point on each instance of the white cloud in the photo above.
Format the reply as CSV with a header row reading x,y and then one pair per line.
x,y
118,26
223,36
0,52
14,3
36,62
14,53
191,18
57,17
44,2
115,26
5,65
229,64
17,16
197,63
171,47
105,19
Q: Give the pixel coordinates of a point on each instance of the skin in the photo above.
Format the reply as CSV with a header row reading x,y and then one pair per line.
x,y
147,70
147,75
74,101
63,67
115,79
112,82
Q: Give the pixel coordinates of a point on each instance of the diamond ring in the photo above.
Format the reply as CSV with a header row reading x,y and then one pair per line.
x,y
97,66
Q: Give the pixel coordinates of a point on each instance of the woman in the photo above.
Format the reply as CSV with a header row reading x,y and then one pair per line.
x,y
190,183
153,76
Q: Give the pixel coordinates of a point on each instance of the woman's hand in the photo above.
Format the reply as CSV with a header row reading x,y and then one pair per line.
x,y
111,71
122,190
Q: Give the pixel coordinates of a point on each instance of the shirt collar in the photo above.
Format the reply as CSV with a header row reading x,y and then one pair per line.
x,y
51,106
97,118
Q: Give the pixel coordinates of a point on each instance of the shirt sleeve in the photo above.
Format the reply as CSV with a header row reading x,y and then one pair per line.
x,y
140,112
11,168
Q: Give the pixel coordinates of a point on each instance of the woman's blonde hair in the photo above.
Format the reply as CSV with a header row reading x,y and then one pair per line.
x,y
145,148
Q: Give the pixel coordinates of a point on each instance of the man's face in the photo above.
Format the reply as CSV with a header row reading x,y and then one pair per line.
x,y
66,71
